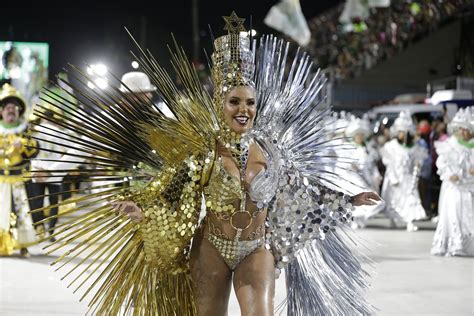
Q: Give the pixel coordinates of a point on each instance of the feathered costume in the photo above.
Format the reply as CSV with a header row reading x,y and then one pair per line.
x,y
454,234
169,162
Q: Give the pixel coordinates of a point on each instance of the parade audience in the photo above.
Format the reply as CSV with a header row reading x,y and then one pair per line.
x,y
349,49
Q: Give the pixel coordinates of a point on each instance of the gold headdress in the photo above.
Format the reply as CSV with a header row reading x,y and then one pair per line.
x,y
233,65
232,59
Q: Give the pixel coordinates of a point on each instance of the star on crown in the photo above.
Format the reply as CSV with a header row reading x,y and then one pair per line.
x,y
234,24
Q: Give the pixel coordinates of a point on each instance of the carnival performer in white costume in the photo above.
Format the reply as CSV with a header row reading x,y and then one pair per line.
x,y
455,232
16,225
402,158
364,174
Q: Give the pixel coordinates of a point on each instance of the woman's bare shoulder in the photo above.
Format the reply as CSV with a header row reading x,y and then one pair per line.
x,y
257,153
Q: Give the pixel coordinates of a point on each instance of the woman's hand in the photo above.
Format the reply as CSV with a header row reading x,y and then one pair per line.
x,y
130,209
365,198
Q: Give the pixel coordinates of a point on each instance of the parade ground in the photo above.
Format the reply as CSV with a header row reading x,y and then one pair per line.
x,y
406,279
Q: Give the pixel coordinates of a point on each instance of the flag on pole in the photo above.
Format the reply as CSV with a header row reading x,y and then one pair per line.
x,y
360,9
354,9
287,17
379,3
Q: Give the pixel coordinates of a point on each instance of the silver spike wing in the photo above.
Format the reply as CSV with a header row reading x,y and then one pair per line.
x,y
292,130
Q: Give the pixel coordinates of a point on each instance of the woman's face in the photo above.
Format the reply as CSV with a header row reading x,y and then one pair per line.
x,y
240,109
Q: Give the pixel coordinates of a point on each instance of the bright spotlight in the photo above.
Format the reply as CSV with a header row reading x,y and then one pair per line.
x,y
90,85
100,69
101,83
135,64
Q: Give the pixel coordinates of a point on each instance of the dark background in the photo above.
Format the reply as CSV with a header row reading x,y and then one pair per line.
x,y
92,32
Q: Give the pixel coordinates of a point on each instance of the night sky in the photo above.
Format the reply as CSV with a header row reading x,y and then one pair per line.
x,y
94,31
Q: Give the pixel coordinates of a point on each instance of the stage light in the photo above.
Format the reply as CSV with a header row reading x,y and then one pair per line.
x,y
135,64
97,70
100,69
101,83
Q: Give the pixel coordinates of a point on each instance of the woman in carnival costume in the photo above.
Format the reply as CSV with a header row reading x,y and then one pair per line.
x,y
252,153
455,231
16,148
402,158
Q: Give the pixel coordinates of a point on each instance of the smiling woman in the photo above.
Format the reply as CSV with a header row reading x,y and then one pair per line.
x,y
240,108
262,182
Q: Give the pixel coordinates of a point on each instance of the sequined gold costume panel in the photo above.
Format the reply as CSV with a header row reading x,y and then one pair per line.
x,y
171,206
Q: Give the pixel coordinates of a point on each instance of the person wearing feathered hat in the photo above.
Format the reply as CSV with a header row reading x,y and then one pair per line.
x,y
363,173
16,148
402,158
455,231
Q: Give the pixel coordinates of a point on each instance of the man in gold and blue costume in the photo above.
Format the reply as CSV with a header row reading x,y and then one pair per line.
x,y
16,148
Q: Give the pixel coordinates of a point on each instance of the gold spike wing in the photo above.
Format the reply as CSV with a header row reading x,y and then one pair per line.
x,y
130,150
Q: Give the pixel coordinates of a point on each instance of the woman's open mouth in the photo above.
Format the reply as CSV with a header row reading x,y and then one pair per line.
x,y
241,120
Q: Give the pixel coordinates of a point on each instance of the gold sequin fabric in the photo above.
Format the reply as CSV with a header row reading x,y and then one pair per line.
x,y
171,205
223,190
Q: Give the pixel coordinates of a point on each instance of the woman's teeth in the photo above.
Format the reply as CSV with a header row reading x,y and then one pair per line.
x,y
242,120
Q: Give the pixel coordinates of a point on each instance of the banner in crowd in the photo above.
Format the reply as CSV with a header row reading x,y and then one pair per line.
x,y
360,9
287,17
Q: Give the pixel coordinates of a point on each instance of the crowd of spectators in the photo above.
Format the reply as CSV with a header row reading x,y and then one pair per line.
x,y
349,49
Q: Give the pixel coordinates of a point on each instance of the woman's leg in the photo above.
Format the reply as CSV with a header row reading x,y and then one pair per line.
x,y
254,283
211,278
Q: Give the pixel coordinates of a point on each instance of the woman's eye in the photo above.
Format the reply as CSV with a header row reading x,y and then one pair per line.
x,y
234,102
251,103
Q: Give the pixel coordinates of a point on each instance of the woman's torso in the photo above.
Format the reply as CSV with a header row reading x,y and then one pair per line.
x,y
224,195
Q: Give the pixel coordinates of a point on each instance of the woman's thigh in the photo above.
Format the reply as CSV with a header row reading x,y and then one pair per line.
x,y
211,278
254,283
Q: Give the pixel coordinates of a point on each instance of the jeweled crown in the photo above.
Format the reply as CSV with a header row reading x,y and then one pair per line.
x,y
233,58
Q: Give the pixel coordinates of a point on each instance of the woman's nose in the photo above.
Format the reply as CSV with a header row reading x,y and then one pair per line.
x,y
243,108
